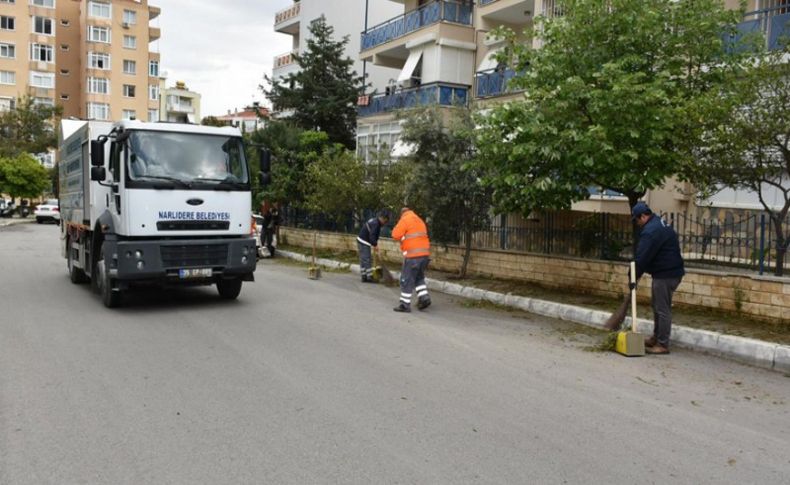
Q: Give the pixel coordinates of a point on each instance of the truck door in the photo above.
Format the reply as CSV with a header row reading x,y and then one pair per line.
x,y
116,155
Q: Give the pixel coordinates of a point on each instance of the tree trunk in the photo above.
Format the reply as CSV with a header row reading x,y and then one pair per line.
x,y
633,198
781,245
467,253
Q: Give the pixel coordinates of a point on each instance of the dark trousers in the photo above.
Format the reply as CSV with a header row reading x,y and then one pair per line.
x,y
364,260
412,278
267,237
663,288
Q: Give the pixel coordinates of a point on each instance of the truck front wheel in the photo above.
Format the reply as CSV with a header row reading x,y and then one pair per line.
x,y
110,297
229,289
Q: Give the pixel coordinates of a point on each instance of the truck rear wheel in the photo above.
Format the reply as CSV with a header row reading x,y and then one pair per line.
x,y
110,297
77,275
229,289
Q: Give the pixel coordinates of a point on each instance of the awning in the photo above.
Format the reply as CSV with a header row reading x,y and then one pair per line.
x,y
489,61
410,66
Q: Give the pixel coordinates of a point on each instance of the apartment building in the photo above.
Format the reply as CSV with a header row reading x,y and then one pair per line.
x,y
90,56
443,55
347,17
251,118
178,104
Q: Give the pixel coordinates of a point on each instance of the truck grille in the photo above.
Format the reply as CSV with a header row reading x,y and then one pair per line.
x,y
185,256
192,225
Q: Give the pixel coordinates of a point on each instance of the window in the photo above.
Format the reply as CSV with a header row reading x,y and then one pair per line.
x,y
98,111
153,68
98,85
129,17
129,114
7,50
7,23
128,90
42,53
153,92
7,77
8,1
129,67
42,79
42,25
43,3
65,97
99,10
98,34
43,101
7,104
130,41
153,115
98,60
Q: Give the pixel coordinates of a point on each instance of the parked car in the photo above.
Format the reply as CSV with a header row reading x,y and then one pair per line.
x,y
48,211
7,208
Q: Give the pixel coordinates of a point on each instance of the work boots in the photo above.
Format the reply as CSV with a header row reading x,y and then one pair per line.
x,y
402,308
424,302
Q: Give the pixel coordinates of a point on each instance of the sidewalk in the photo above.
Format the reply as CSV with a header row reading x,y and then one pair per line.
x,y
11,221
760,353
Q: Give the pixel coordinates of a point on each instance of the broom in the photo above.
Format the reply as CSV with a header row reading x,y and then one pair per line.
x,y
617,318
386,276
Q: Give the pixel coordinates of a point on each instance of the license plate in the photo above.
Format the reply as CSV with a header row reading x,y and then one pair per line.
x,y
194,273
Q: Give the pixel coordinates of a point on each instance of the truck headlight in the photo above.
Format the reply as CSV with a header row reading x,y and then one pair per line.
x,y
138,254
244,260
140,265
245,250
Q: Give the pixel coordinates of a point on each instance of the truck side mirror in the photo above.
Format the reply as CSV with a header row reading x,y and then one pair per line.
x,y
97,154
98,174
266,160
264,178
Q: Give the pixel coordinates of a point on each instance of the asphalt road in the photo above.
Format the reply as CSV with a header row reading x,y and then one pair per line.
x,y
303,381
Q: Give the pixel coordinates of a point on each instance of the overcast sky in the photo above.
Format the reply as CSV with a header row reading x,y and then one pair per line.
x,y
221,49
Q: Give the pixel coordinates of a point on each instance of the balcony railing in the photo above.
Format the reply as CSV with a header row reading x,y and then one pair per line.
x,y
283,60
773,23
180,108
442,94
483,3
288,13
493,82
436,11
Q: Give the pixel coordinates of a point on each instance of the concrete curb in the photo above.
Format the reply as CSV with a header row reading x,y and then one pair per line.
x,y
750,351
11,222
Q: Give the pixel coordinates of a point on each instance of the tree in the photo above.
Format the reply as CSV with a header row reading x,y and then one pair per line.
x,y
445,185
748,140
23,176
28,128
334,184
322,94
611,100
212,121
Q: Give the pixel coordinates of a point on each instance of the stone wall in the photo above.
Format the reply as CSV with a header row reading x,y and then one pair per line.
x,y
764,297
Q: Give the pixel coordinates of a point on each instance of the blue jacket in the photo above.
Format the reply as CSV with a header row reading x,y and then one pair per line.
x,y
658,251
369,235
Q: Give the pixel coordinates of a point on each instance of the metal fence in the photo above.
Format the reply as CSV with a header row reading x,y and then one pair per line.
x,y
735,241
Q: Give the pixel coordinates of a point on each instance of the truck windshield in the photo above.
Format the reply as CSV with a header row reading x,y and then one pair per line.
x,y
187,157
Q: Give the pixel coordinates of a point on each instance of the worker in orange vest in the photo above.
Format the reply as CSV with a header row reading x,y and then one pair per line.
x,y
416,248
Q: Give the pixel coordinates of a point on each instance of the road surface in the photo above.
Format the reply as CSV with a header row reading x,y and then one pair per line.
x,y
303,381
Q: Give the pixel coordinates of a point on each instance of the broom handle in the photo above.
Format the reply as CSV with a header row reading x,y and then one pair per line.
x,y
633,296
314,239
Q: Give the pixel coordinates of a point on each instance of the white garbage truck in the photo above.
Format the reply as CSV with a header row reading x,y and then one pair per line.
x,y
160,203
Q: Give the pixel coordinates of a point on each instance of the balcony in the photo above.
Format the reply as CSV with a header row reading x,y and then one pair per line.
x,y
773,23
284,60
493,82
512,12
286,21
154,33
432,13
180,108
153,12
441,94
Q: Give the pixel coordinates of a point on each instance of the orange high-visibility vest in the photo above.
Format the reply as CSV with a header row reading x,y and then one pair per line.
x,y
413,236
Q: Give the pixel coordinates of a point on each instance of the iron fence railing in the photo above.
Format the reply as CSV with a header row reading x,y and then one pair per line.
x,y
442,94
459,12
493,82
741,242
772,22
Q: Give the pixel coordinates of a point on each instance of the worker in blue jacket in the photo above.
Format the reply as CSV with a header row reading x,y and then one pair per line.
x,y
369,239
658,253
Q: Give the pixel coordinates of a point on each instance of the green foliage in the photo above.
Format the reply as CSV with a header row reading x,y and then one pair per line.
x,y
748,138
212,121
322,94
611,100
334,183
27,128
23,176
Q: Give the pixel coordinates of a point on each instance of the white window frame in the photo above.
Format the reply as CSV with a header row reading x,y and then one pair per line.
x,y
96,10
42,75
7,104
43,3
95,57
35,20
153,68
95,34
129,114
129,88
8,18
98,85
103,108
37,49
130,63
130,45
10,50
153,115
8,78
130,17
43,102
153,92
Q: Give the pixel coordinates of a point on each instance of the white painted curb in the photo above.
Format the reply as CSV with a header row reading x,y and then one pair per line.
x,y
755,352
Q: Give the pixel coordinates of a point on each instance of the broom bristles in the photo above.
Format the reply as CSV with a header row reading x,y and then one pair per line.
x,y
618,316
387,278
